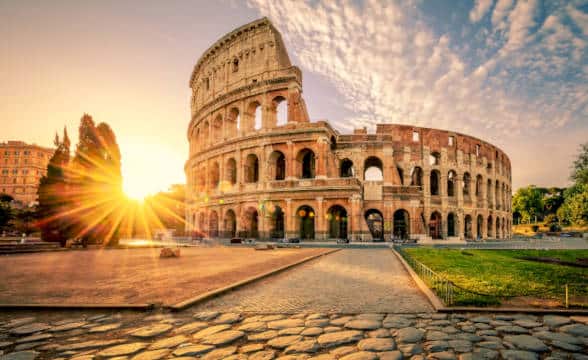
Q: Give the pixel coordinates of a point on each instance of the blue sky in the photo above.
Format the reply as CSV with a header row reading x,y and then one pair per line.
x,y
514,73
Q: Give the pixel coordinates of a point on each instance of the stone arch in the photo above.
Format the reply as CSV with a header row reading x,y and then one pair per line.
x,y
451,183
251,222
232,123
277,165
451,224
480,226
305,215
230,224
490,227
337,218
217,129
416,176
467,229
489,191
231,171
253,121
205,134
479,184
213,224
214,175
375,222
400,172
277,227
434,158
467,179
373,169
251,169
306,163
280,111
346,168
434,181
401,224
435,225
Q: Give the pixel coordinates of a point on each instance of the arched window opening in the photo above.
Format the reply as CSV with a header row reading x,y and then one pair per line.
x,y
479,183
306,217
232,123
252,169
217,129
467,230
401,224
451,224
451,178
347,168
333,143
231,171
213,224
480,227
466,184
416,176
337,218
277,223
435,226
306,159
489,191
434,159
434,182
374,169
235,65
202,223
400,174
230,224
375,223
214,175
257,123
281,108
498,234
205,134
278,165
490,226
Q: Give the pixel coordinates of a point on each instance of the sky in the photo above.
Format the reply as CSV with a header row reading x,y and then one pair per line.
x,y
513,73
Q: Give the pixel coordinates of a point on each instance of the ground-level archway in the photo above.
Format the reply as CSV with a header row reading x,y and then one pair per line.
x,y
401,224
277,223
467,228
251,223
337,217
480,227
230,224
451,224
435,229
213,224
375,223
305,215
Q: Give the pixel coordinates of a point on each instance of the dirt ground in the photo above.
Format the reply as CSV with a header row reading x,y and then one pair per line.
x,y
132,275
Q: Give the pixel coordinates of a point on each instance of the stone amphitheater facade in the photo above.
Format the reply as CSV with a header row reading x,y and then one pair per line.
x,y
259,168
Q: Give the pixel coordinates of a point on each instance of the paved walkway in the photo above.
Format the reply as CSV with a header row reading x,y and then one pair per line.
x,y
348,281
317,336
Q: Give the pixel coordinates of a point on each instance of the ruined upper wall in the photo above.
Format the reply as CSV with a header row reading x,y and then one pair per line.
x,y
247,55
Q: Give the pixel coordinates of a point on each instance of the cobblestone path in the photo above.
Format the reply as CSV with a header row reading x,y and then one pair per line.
x,y
212,335
348,281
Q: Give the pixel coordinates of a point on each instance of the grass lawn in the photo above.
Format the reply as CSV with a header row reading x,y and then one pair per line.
x,y
501,273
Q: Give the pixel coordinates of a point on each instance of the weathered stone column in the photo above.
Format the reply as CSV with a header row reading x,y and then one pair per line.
x,y
290,161
289,218
319,217
321,168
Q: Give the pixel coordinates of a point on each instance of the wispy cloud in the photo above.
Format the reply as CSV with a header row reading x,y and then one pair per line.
x,y
391,66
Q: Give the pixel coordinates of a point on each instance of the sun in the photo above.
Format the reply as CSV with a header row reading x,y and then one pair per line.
x,y
135,190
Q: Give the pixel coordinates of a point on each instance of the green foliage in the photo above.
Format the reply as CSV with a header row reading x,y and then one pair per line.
x,y
580,166
575,207
528,202
502,274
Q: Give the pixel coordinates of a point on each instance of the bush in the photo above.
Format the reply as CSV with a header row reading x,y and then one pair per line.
x,y
535,228
554,227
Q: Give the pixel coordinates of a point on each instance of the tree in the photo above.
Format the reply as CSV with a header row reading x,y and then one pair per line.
x,y
575,208
6,211
580,166
528,202
53,193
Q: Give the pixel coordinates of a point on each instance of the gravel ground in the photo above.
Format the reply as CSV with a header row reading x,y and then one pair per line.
x,y
348,281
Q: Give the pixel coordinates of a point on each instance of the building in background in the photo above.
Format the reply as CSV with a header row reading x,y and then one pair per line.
x,y
21,167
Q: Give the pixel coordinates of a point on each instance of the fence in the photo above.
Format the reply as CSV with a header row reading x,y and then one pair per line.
x,y
568,295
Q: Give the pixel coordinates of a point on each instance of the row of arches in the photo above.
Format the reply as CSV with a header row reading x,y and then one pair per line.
x,y
219,128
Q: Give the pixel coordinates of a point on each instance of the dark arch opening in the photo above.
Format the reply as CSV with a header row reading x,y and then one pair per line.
x,y
451,220
306,217
277,223
416,176
435,226
278,165
213,224
347,168
434,182
401,224
252,169
373,169
230,224
251,223
231,173
307,163
375,222
451,178
467,229
337,217
480,227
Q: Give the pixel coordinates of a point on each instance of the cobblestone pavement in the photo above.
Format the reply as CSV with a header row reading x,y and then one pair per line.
x,y
348,281
210,335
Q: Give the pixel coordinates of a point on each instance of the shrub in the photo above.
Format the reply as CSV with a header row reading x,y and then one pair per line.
x,y
535,228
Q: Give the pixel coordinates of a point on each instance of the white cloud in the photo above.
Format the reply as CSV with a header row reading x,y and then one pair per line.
x,y
500,12
479,10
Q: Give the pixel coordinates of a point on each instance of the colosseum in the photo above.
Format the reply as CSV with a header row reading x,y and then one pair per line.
x,y
259,168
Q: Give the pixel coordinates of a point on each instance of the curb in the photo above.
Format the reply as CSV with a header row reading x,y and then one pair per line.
x,y
208,295
429,294
136,307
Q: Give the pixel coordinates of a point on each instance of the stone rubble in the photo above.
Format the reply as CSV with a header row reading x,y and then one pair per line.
x,y
211,335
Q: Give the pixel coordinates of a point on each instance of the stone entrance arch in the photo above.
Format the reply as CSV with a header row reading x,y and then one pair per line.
x,y
251,223
305,215
435,226
277,223
230,224
337,217
375,223
401,224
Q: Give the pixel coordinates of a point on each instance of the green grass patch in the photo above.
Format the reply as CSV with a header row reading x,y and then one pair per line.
x,y
502,274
